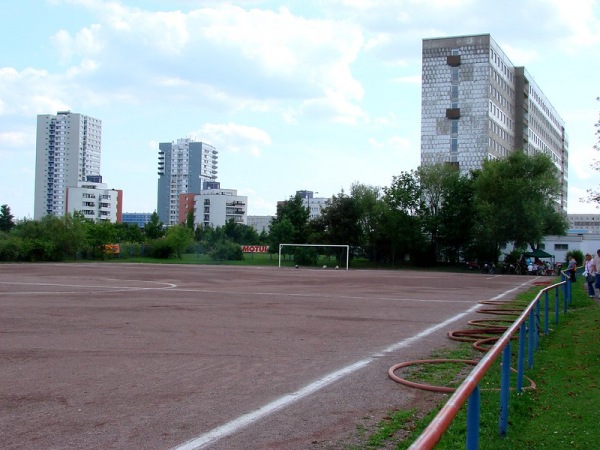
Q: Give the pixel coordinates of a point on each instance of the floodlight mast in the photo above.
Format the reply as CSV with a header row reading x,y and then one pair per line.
x,y
347,247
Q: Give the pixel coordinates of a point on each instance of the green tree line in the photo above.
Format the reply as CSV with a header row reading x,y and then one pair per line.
x,y
435,214
429,215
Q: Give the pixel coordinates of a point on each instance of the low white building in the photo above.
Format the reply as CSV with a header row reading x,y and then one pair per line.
x,y
560,245
215,207
95,201
260,223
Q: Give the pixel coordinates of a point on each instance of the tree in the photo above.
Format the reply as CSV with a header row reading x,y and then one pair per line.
x,y
594,194
240,233
100,235
179,237
281,232
297,214
435,180
190,219
456,217
6,219
401,219
369,203
516,200
340,221
154,229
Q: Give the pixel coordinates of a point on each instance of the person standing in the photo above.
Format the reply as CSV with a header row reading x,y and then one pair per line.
x,y
590,271
572,269
596,267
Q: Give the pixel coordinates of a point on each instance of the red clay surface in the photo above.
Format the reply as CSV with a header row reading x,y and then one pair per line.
x,y
122,356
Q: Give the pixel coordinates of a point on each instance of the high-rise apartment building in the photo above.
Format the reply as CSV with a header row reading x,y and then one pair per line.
x,y
183,166
68,147
476,105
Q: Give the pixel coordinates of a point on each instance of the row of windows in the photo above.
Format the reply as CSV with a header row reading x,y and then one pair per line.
x,y
499,62
502,83
495,93
498,130
542,125
539,99
497,147
585,223
497,112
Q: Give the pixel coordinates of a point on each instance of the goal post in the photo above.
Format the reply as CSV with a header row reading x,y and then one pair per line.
x,y
347,247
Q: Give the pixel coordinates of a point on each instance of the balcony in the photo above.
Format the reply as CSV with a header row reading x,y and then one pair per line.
x,y
453,113
453,60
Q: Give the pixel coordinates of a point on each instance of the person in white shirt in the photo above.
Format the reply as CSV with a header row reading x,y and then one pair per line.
x,y
589,272
596,271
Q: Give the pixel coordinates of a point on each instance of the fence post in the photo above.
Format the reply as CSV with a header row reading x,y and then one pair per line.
x,y
521,358
531,342
557,302
504,390
536,336
546,311
473,407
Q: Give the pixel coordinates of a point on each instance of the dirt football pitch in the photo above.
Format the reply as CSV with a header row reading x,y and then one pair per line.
x,y
137,356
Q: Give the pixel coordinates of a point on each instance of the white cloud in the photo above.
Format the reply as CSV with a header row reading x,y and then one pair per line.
x,y
234,138
252,55
333,108
580,26
415,79
17,138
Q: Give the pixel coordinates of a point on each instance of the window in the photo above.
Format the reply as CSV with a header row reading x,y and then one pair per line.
x,y
454,126
561,246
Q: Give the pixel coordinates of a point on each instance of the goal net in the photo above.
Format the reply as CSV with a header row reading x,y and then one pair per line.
x,y
346,247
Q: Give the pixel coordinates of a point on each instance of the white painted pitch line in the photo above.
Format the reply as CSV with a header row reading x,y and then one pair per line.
x,y
101,289
134,288
320,296
243,421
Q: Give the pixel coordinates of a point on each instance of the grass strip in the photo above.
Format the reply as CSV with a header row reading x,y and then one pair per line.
x,y
563,412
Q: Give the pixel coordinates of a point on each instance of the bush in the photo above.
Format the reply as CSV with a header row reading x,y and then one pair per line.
x,y
10,248
226,250
160,248
577,254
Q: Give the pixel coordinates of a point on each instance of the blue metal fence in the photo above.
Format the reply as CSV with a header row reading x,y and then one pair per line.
x,y
468,392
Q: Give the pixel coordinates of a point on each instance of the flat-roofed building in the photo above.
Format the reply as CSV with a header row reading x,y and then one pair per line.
x,y
476,105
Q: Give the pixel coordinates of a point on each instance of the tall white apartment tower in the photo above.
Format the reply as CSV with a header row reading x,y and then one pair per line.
x,y
183,167
475,105
68,147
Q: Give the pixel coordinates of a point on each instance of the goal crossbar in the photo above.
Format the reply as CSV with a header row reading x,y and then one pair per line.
x,y
347,247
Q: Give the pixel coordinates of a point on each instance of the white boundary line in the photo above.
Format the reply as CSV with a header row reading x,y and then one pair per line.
x,y
243,421
103,288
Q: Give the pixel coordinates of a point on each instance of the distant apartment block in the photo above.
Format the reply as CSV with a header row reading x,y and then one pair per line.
x,y
314,204
476,105
584,223
183,166
214,207
139,219
95,201
260,223
68,150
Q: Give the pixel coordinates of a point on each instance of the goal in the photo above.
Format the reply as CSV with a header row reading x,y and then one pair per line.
x,y
347,247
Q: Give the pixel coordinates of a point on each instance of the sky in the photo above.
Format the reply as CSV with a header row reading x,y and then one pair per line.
x,y
294,94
